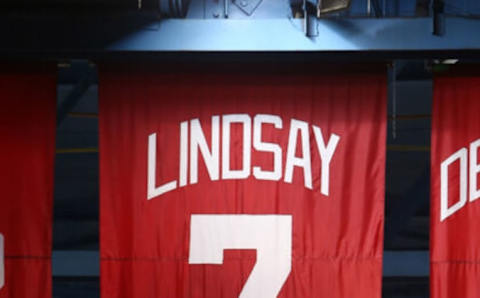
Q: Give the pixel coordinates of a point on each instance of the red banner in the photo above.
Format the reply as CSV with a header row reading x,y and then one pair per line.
x,y
455,242
27,131
235,183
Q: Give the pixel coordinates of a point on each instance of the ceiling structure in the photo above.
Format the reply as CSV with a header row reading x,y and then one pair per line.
x,y
99,28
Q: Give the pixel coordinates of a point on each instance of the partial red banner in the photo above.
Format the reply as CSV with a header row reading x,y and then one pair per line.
x,y
455,211
242,182
27,151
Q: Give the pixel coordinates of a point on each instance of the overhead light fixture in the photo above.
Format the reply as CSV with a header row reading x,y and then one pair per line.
x,y
450,61
329,6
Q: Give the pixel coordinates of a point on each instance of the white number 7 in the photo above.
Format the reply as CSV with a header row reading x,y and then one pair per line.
x,y
270,235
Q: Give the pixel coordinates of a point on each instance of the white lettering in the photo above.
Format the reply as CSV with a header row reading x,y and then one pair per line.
x,y
183,153
474,169
244,172
326,154
197,141
193,141
152,168
446,211
292,160
258,173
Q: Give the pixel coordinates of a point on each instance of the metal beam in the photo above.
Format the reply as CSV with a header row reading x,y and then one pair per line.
x,y
406,263
87,263
376,8
74,96
87,36
75,263
438,17
415,198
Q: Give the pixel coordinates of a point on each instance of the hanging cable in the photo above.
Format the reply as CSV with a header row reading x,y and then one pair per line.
x,y
438,9
394,101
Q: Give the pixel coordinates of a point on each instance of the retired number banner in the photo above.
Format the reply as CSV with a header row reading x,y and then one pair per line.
x,y
242,182
27,151
455,211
